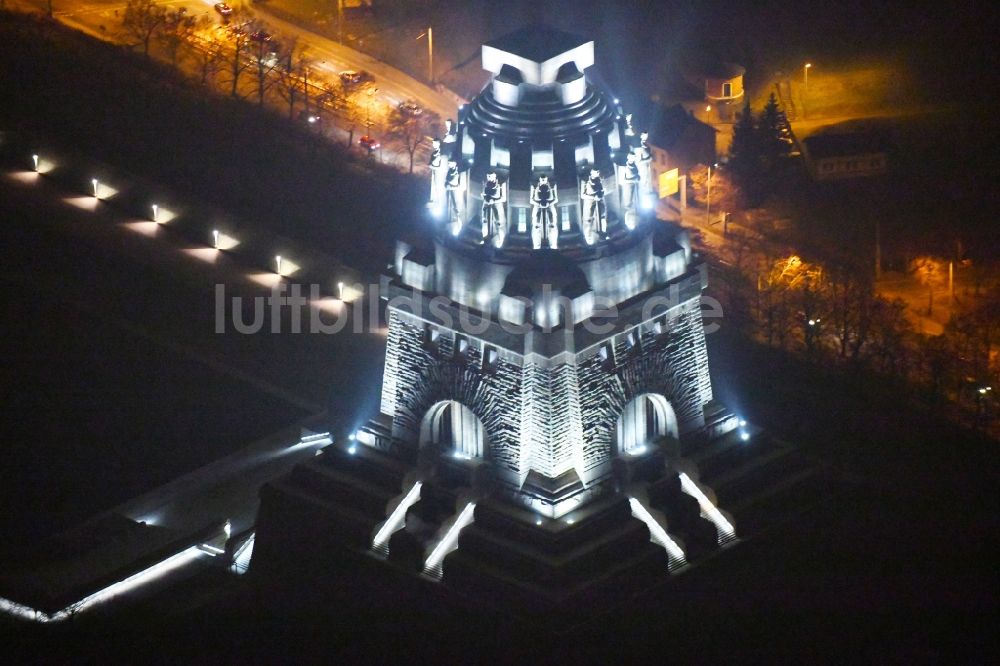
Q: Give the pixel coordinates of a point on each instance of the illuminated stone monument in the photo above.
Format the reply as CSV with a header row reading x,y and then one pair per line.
x,y
546,370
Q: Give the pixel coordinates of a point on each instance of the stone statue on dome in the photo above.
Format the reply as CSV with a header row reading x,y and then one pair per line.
x,y
631,180
629,130
450,131
595,211
544,198
453,191
493,218
644,156
439,168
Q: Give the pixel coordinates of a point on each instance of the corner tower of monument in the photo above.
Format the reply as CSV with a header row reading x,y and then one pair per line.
x,y
546,367
583,336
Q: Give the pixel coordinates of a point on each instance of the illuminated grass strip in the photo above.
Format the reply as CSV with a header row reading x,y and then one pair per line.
x,y
133,582
725,529
241,558
432,567
396,520
658,535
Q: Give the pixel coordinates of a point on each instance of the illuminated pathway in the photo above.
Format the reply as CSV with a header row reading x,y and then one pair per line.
x,y
227,487
55,219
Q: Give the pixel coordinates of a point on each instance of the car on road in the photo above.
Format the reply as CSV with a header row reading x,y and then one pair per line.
x,y
410,108
223,10
370,143
311,118
354,78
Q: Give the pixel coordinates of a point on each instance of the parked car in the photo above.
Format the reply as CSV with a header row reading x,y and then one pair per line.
x,y
223,10
369,142
353,78
260,36
410,108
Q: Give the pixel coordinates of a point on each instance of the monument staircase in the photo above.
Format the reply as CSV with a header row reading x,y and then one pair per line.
x,y
600,555
352,489
762,481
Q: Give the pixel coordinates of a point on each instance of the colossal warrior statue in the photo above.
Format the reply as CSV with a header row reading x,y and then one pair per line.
x,y
544,198
644,156
450,133
630,185
453,187
595,212
494,220
438,168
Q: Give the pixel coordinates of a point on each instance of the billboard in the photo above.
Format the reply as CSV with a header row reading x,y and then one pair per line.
x,y
668,183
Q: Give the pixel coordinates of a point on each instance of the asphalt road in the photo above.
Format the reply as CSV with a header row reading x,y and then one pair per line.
x,y
393,85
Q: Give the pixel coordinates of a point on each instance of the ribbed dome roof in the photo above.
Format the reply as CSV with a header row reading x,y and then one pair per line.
x,y
540,115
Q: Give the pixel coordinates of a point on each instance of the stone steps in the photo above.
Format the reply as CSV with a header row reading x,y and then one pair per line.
x,y
349,526
332,484
782,501
368,464
527,562
634,570
552,536
757,476
683,516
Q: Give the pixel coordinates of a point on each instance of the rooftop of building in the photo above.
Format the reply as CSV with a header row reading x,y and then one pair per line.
x,y
666,124
820,146
537,43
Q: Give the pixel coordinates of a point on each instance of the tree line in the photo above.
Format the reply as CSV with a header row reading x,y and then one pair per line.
x,y
830,313
246,58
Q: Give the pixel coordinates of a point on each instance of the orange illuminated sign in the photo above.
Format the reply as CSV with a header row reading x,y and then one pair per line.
x,y
668,183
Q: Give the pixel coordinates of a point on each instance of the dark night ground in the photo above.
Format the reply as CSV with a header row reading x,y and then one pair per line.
x,y
96,412
899,567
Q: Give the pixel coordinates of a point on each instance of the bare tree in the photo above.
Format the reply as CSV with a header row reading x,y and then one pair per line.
x,y
179,31
293,76
850,302
209,58
354,116
266,57
141,20
239,58
354,109
930,272
889,334
409,129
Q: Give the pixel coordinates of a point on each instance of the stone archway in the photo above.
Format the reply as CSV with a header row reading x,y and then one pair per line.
x,y
644,419
451,426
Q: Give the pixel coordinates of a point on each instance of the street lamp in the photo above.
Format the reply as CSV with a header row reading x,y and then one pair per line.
x,y
805,86
340,21
708,198
340,290
277,261
368,109
430,52
215,238
156,213
34,158
93,181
